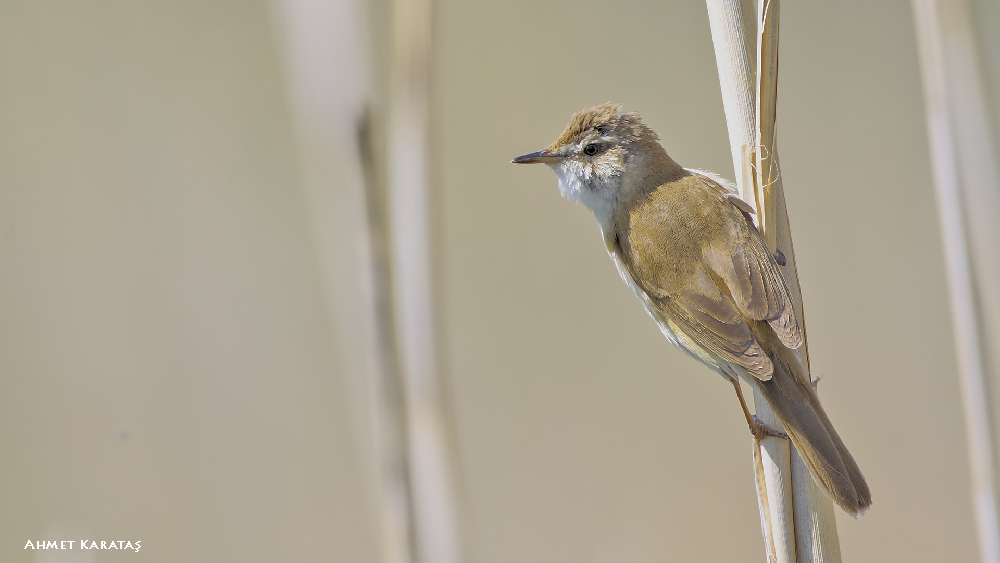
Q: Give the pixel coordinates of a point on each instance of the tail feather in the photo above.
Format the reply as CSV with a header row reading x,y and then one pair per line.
x,y
797,406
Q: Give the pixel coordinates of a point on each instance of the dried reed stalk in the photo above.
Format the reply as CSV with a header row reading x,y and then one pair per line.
x,y
797,518
431,455
967,184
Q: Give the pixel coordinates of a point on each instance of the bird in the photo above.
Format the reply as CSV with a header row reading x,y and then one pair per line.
x,y
687,246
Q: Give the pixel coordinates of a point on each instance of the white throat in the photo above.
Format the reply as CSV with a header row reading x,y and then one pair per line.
x,y
581,184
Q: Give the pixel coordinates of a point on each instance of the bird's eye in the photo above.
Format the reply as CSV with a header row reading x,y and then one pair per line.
x,y
590,149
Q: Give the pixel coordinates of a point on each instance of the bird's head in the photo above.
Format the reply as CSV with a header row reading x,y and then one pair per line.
x,y
602,154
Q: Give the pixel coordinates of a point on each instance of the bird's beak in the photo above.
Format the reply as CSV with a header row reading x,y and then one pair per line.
x,y
536,157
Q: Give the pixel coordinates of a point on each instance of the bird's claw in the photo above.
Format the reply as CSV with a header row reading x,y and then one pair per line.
x,y
761,430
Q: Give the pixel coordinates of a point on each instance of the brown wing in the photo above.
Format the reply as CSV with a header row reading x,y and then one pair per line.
x,y
758,290
710,318
712,294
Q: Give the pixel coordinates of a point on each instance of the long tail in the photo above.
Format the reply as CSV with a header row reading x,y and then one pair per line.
x,y
797,406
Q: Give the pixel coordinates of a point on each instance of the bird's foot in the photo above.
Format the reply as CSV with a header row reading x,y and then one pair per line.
x,y
761,430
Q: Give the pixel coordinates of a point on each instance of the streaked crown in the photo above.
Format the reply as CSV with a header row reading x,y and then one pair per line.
x,y
604,120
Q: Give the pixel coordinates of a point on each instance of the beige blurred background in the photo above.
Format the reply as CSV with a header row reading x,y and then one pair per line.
x,y
169,370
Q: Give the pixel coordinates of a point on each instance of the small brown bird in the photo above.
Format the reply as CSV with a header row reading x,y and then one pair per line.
x,y
687,246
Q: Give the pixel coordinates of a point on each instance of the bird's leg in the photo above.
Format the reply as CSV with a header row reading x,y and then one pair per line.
x,y
757,428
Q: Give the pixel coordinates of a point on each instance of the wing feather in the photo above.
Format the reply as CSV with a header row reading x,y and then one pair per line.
x,y
756,284
712,294
711,320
